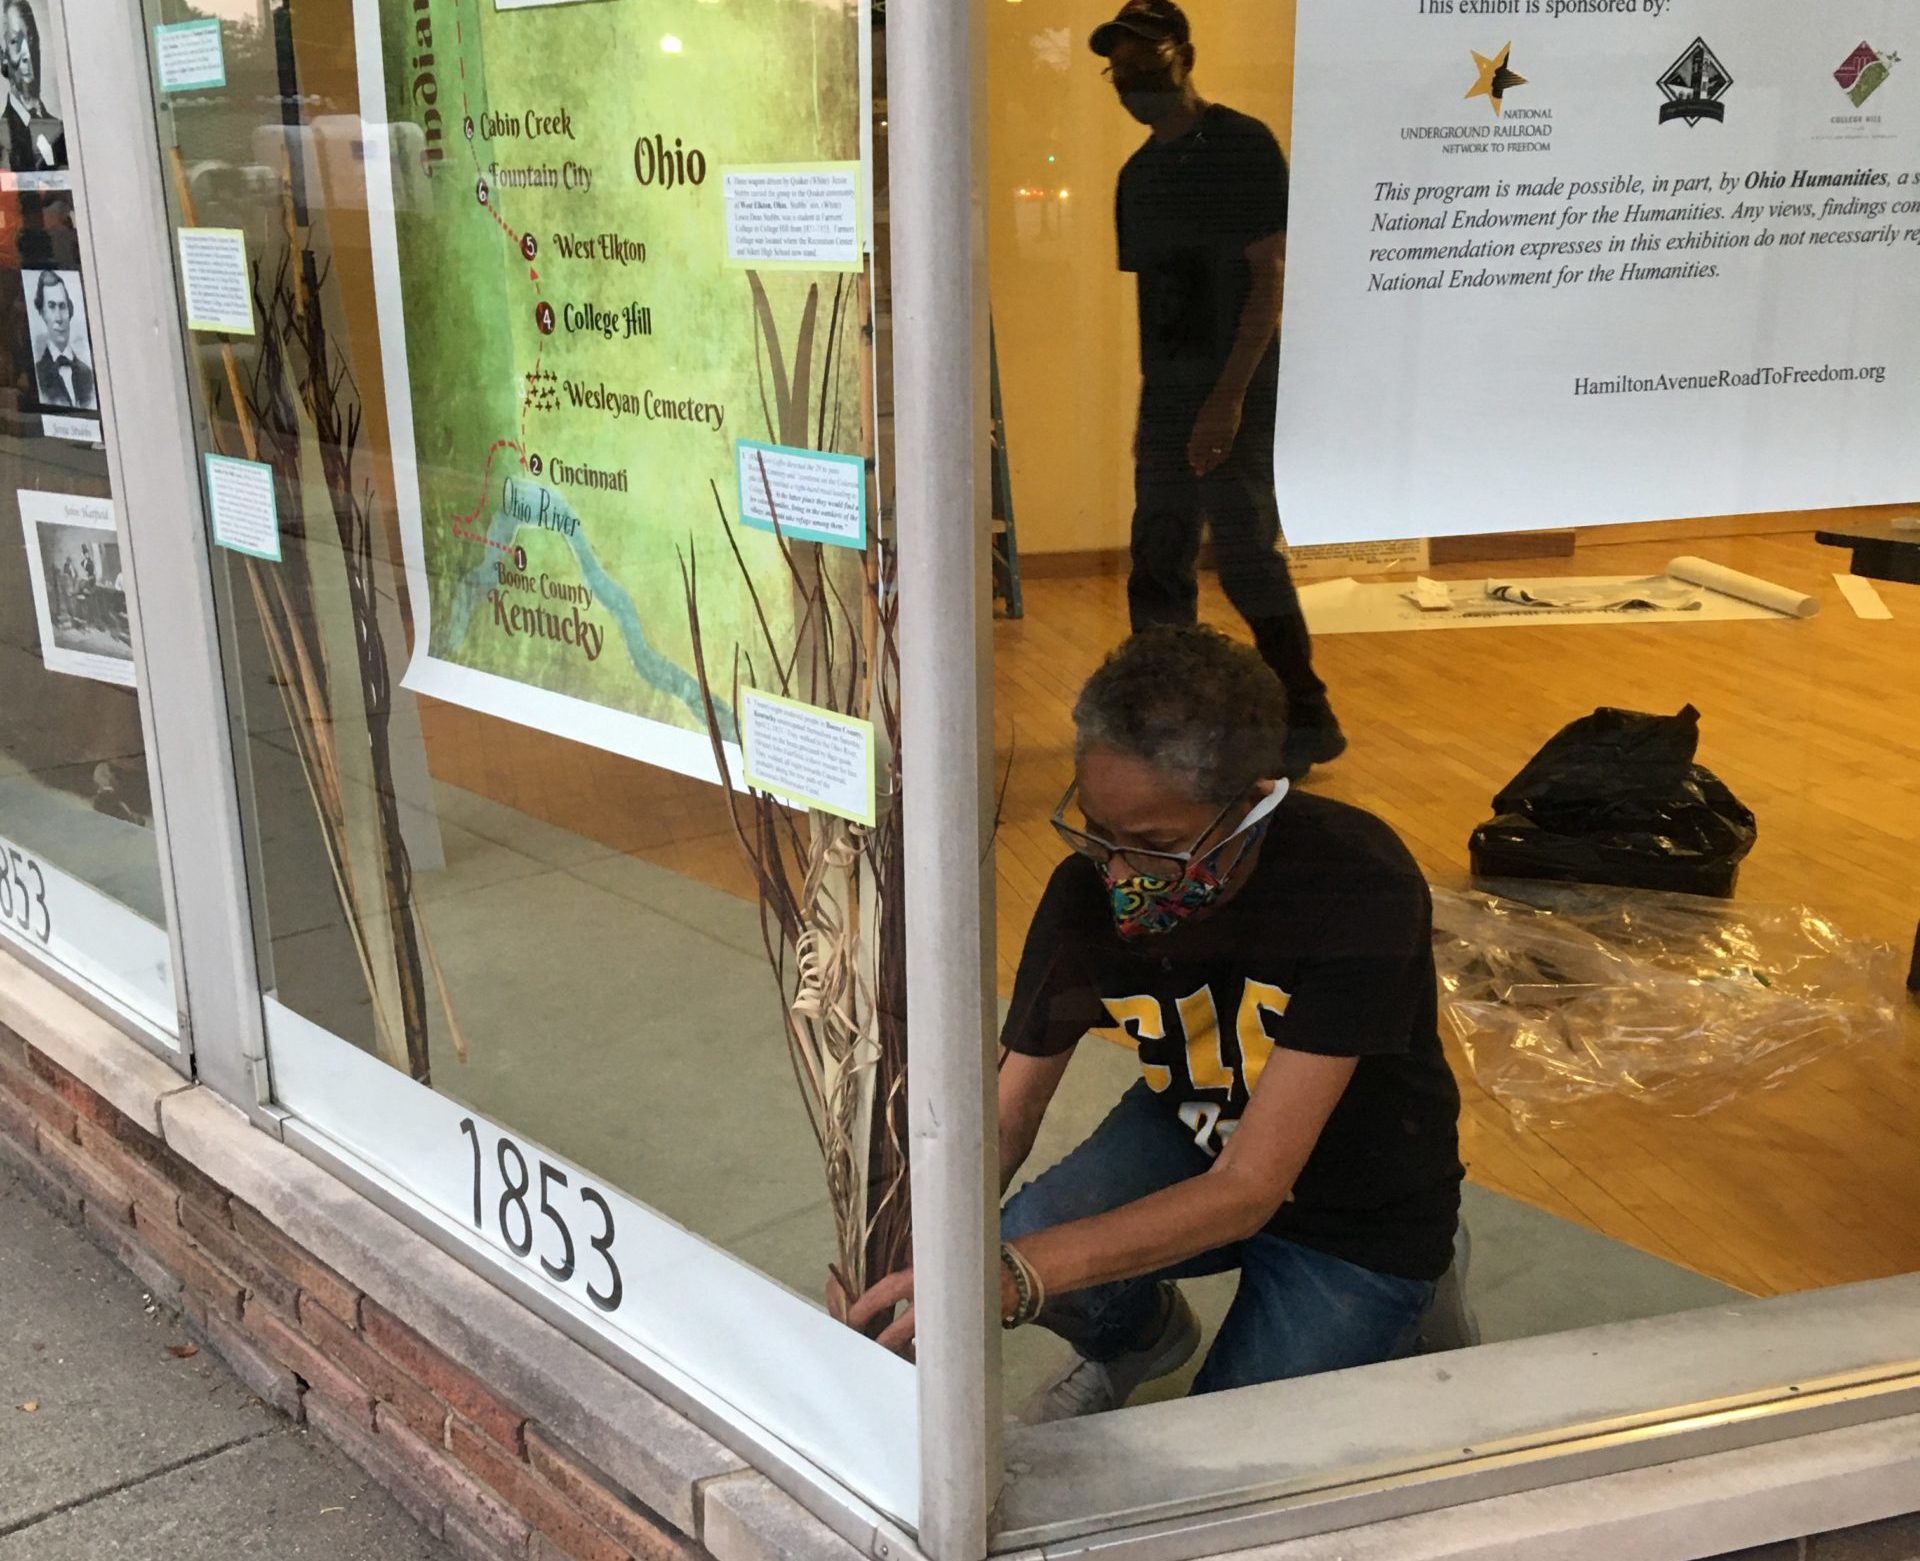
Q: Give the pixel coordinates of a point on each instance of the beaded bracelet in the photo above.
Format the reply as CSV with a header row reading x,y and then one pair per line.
x,y
1029,1295
1033,1280
1022,1292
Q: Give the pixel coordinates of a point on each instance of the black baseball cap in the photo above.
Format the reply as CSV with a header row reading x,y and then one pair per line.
x,y
1158,21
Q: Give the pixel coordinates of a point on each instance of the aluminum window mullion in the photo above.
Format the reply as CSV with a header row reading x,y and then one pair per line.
x,y
154,466
937,158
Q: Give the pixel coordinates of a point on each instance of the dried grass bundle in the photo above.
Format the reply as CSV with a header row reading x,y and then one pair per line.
x,y
830,889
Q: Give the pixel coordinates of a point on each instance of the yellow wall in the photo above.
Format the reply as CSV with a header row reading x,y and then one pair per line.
x,y
1063,314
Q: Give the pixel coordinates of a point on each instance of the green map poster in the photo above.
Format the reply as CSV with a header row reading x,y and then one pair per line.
x,y
617,249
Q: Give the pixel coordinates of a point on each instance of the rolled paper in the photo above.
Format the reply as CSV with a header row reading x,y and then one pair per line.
x,y
1747,588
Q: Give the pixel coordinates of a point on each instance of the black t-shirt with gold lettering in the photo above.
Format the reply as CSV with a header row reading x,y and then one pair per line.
x,y
1327,948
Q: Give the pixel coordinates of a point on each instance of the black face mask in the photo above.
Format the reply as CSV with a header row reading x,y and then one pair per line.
x,y
1152,104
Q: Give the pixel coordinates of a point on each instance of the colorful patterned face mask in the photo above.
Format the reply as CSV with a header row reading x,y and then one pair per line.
x,y
1144,903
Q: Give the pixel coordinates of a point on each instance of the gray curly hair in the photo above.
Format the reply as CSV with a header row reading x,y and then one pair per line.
x,y
1200,708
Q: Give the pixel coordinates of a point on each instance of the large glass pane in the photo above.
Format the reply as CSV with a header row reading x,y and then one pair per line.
x,y
534,370
80,879
1481,276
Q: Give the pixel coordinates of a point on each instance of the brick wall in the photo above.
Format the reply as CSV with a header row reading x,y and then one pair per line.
x,y
469,1465
474,1468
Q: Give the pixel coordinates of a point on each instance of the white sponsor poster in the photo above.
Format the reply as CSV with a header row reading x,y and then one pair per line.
x,y
1587,261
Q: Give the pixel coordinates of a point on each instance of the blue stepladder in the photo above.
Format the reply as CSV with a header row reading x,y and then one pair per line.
x,y
1006,544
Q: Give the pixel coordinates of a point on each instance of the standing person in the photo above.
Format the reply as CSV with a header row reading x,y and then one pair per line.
x,y
89,596
1268,955
1201,213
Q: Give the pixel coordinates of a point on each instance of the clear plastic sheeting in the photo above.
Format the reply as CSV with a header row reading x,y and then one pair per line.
x,y
1561,993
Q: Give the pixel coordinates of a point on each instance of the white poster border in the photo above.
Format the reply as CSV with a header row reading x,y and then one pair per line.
x,y
632,736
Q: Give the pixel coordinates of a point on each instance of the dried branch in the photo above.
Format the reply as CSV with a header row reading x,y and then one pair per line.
x,y
300,384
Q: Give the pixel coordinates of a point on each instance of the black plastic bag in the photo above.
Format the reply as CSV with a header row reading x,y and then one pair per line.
x,y
1615,798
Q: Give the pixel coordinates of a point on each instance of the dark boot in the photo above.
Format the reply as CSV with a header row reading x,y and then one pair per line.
x,y
1313,737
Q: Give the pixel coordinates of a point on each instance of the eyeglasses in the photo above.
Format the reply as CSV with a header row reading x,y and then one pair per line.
x,y
1170,865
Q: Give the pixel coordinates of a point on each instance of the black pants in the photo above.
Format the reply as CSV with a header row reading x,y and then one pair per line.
x,y
1172,506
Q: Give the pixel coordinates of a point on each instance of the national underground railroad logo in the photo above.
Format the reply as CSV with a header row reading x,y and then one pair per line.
x,y
1694,85
1864,72
1497,78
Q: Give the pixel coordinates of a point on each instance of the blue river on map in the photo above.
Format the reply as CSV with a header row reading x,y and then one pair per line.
x,y
653,669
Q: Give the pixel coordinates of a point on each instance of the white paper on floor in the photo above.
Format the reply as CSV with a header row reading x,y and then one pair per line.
x,y
1861,596
1691,591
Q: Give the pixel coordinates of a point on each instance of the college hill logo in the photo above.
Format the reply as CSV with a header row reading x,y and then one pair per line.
x,y
1864,72
1496,79
1694,84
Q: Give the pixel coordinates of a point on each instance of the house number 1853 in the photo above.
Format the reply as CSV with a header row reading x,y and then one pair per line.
x,y
525,1192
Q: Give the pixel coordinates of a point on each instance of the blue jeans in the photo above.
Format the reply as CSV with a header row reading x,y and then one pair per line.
x,y
1297,1311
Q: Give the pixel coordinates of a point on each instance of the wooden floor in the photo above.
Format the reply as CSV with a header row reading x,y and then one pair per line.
x,y
1815,725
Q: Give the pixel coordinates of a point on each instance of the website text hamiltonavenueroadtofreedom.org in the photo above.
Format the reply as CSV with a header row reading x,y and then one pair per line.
x,y
1728,379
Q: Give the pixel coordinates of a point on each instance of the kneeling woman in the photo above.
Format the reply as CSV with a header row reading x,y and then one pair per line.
x,y
1268,956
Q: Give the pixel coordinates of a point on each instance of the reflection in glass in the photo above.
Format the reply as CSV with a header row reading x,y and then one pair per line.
x,y
80,879
1616,1210
566,406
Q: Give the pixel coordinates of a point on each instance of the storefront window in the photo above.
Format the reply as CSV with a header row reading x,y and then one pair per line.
x,y
1274,293
80,883
1492,928
537,406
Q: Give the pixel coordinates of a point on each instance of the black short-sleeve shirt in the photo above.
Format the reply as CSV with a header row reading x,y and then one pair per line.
x,y
1186,212
1327,948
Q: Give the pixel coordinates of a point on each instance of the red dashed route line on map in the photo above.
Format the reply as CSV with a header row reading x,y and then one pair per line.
x,y
460,523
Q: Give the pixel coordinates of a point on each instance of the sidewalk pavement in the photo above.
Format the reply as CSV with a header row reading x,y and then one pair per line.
x,y
120,1439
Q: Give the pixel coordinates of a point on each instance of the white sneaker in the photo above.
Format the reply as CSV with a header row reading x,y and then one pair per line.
x,y
1088,1387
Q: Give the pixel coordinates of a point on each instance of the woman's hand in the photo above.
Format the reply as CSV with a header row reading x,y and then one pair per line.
x,y
878,1304
874,1310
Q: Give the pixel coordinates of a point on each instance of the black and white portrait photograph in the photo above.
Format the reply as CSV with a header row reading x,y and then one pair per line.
x,y
62,355
35,136
80,590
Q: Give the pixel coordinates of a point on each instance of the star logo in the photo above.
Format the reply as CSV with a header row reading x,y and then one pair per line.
x,y
1496,79
1864,72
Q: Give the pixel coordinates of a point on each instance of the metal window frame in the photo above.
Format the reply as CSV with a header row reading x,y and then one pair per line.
x,y
944,590
936,148
1679,1387
153,461
173,1047
1412,1436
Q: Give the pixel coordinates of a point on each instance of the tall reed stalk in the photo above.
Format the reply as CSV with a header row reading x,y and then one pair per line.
x,y
830,889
